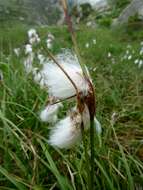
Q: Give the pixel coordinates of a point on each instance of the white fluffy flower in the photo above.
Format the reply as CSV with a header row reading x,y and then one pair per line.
x,y
97,126
58,83
67,132
87,45
109,55
17,51
38,78
50,40
32,32
141,43
28,63
1,76
140,63
127,52
136,61
49,114
34,39
129,57
41,58
49,45
28,49
141,51
94,41
51,36
33,36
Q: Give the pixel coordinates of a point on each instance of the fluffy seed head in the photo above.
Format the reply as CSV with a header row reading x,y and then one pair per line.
x,y
32,32
49,114
59,85
28,63
98,127
28,49
67,132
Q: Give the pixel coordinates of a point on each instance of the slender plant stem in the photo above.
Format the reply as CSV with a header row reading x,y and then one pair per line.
x,y
87,159
73,36
92,154
89,163
63,100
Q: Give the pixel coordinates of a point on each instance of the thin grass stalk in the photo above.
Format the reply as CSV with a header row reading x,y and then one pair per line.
x,y
86,155
73,36
92,153
125,161
90,167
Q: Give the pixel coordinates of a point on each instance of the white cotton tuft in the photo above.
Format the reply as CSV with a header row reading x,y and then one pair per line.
x,y
49,41
33,36
1,76
34,39
49,114
49,45
141,51
136,61
129,57
140,63
51,36
28,49
32,32
66,133
109,55
41,58
58,83
97,126
94,41
37,77
87,45
17,51
28,63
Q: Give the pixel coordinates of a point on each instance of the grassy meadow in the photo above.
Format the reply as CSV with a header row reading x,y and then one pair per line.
x,y
27,162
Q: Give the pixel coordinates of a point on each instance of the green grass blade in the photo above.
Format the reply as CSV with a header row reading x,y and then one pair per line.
x,y
104,174
12,179
61,180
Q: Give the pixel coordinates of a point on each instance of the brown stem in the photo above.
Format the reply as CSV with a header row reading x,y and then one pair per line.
x,y
59,101
73,36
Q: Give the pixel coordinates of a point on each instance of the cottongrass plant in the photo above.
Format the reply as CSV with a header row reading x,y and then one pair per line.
x,y
36,164
134,56
66,81
85,99
65,77
50,40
